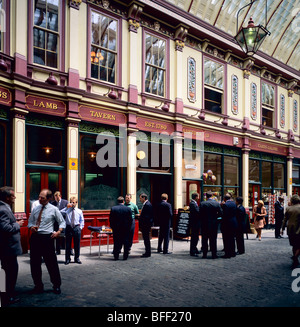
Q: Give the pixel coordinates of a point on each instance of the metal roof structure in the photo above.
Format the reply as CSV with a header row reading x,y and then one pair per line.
x,y
283,21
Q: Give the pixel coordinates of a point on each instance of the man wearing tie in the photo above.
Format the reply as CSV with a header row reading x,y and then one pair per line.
x,y
146,221
41,225
74,225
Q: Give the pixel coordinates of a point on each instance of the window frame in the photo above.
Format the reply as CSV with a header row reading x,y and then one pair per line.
x,y
167,64
214,88
118,61
5,36
121,175
269,107
61,37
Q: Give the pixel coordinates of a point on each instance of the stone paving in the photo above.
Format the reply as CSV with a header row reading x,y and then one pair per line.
x,y
259,278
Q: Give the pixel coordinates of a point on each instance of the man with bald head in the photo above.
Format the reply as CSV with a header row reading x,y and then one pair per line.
x,y
41,224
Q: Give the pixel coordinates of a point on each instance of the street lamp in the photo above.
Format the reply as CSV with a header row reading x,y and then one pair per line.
x,y
251,37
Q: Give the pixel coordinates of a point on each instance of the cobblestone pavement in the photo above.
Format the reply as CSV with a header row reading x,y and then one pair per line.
x,y
259,278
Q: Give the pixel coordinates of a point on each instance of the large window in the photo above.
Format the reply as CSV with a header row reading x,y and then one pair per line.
x,y
221,171
44,145
267,171
268,104
213,86
103,47
99,186
46,32
155,65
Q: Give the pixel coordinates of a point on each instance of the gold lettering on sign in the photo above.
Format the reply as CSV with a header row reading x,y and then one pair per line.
x,y
268,147
45,104
155,125
102,115
3,95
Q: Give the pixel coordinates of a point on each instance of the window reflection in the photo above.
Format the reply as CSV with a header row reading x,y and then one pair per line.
x,y
45,32
103,48
155,65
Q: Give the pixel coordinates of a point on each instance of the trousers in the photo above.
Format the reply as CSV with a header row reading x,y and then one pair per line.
x,y
42,246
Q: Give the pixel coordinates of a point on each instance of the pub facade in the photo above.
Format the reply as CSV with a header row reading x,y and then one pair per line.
x,y
145,81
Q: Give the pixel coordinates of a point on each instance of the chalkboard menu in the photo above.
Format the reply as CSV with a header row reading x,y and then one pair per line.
x,y
182,226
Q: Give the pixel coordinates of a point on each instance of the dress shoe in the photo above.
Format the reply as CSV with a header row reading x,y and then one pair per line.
x,y
194,255
56,290
78,261
146,255
204,256
168,252
214,256
67,261
159,250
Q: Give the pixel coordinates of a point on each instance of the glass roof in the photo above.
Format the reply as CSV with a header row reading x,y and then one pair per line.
x,y
283,21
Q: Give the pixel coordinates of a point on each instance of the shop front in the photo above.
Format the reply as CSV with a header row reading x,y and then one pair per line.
x,y
208,166
267,174
154,161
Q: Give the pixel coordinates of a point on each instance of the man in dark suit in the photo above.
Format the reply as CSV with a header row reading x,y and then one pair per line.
x,y
210,211
194,224
120,219
146,221
241,225
165,214
229,226
60,204
10,242
279,216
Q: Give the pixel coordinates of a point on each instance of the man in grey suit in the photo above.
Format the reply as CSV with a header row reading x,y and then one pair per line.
x,y
10,242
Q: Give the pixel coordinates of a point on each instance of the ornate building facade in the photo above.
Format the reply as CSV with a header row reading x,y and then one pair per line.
x,y
170,97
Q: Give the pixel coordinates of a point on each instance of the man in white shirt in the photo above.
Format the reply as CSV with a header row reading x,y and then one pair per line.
x,y
74,225
41,225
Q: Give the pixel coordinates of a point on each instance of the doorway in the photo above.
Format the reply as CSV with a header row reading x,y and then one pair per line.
x,y
36,180
192,187
154,185
254,196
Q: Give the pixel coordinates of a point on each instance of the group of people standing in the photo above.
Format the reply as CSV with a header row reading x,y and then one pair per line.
x,y
48,220
122,221
204,220
45,223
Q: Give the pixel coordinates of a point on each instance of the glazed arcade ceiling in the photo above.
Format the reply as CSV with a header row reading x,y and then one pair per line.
x,y
283,21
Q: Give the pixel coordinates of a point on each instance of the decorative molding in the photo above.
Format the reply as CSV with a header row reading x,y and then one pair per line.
x,y
75,4
295,115
191,79
282,110
234,94
133,25
253,108
134,14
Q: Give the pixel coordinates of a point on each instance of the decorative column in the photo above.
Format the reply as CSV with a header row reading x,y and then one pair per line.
x,y
72,157
247,95
18,157
178,167
289,167
293,117
179,45
134,14
131,165
74,51
245,172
